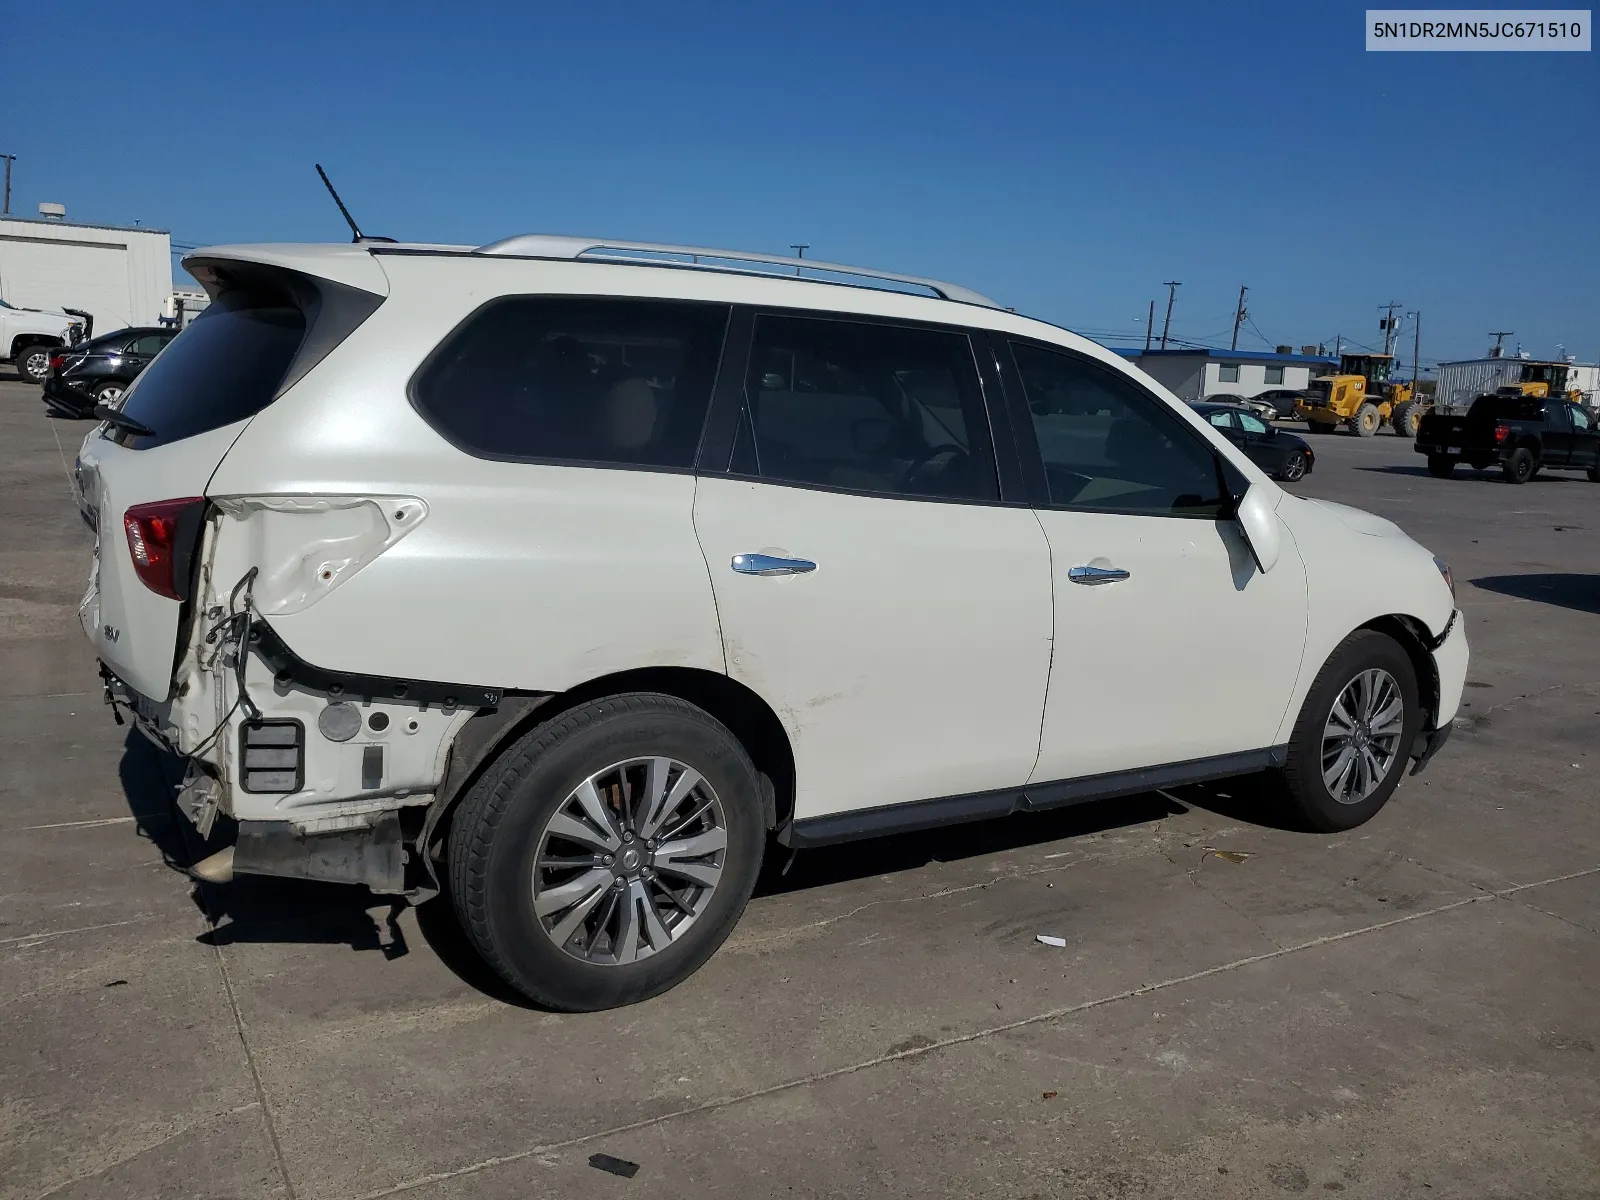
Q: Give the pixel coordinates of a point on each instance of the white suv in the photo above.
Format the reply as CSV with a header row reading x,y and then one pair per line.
x,y
565,572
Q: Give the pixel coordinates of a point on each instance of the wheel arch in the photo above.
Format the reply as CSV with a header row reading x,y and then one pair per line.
x,y
747,716
26,341
1414,638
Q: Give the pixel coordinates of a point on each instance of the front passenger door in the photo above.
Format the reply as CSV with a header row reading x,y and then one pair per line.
x,y
1171,645
1585,451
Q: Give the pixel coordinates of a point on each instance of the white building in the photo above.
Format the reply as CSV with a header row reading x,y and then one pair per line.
x,y
120,275
1464,380
1199,373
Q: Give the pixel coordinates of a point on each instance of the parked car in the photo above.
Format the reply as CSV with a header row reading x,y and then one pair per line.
x,y
1280,454
1281,401
28,336
574,571
99,370
1523,434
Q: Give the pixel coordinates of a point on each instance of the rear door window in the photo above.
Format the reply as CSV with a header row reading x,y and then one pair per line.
x,y
571,379
226,366
885,409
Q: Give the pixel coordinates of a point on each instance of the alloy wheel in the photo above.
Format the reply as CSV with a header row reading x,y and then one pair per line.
x,y
629,861
1294,468
1361,737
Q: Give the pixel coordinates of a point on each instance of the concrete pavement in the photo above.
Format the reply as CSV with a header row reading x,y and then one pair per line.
x,y
1408,1009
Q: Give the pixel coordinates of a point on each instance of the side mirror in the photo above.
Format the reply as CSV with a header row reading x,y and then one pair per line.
x,y
1258,521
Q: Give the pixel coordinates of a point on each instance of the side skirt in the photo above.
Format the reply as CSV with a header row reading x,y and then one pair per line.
x,y
1035,797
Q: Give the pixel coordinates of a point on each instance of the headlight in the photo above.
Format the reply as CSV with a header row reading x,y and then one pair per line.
x,y
1444,569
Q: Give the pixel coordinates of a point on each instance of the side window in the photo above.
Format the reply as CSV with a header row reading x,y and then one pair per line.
x,y
1222,420
1274,375
151,343
1251,423
1228,373
576,379
1580,419
870,408
1110,446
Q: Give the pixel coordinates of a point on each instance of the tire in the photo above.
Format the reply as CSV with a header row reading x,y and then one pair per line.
x,y
1317,427
1519,467
33,364
508,826
1366,421
1441,466
109,392
1294,467
1311,750
1594,474
1481,464
1406,418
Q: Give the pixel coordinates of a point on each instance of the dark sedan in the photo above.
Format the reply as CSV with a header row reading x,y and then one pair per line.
x,y
99,371
1277,452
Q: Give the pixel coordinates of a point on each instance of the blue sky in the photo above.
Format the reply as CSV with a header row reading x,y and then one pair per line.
x,y
1063,158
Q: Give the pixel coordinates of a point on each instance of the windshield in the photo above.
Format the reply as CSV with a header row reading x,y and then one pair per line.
x,y
226,366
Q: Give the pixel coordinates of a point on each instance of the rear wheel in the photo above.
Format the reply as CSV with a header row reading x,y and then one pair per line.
x,y
109,392
1316,427
1406,418
1519,467
1354,734
1294,467
605,856
33,364
1594,474
1440,466
1366,420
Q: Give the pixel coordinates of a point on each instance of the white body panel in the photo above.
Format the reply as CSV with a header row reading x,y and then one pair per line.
x,y
911,663
1194,655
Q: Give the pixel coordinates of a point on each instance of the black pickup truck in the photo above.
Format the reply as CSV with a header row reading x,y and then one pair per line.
x,y
1524,434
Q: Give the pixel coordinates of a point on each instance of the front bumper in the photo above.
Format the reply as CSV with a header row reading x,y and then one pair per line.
x,y
1450,658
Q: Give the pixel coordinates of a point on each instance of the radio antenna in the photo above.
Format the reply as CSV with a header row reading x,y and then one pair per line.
x,y
355,230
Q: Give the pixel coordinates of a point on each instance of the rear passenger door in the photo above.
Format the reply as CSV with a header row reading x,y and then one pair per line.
x,y
876,584
1556,439
1585,440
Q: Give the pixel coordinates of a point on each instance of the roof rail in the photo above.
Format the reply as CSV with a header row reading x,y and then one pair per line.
x,y
540,245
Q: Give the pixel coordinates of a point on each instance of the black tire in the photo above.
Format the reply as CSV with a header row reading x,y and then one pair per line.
x,y
1441,466
109,392
1594,474
1519,468
1317,427
1294,467
496,833
1366,421
1302,775
33,364
1481,464
1405,419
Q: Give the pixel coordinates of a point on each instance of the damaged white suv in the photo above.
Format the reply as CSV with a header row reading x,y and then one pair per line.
x,y
564,573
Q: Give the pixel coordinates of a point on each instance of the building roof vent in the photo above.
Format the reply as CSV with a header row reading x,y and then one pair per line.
x,y
53,212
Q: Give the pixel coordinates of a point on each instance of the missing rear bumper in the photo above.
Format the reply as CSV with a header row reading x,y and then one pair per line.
x,y
373,855
1427,746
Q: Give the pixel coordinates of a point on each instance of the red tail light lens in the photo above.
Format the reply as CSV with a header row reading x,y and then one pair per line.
x,y
57,361
1501,433
156,539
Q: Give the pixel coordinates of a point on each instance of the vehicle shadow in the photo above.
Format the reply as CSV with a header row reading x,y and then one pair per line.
x,y
1253,799
1579,592
251,908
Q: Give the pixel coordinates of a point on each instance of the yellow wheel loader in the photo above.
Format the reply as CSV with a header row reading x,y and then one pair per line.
x,y
1362,398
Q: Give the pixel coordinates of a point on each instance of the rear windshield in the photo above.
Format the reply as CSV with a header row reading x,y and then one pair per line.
x,y
1506,408
226,366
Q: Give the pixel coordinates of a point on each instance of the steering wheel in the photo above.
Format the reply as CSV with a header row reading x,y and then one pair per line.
x,y
923,460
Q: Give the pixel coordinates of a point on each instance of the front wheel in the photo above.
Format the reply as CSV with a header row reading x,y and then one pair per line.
x,y
604,856
1354,734
33,364
1366,420
1406,419
1441,466
1294,467
1519,468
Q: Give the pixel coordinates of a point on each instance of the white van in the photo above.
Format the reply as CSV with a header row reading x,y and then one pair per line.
x,y
564,572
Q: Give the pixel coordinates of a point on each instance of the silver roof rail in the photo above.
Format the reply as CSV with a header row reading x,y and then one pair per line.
x,y
541,245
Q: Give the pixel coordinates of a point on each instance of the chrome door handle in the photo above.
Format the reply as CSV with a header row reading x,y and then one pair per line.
x,y
771,564
1094,576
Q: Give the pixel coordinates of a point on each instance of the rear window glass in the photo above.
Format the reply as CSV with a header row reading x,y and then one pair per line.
x,y
576,379
226,366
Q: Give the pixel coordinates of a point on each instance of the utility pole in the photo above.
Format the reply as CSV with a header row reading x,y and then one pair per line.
x,y
1416,352
799,249
1172,286
1388,324
1338,345
1238,317
1499,336
10,158
1149,327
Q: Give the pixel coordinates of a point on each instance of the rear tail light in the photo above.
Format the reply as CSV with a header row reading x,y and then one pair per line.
x,y
161,539
57,361
1501,433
